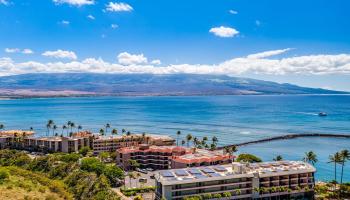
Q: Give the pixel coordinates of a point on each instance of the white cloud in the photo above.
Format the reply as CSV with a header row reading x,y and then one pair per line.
x,y
131,59
4,2
12,50
233,12
17,50
156,62
266,54
224,31
114,26
61,54
65,22
251,64
91,17
27,51
75,2
118,7
257,23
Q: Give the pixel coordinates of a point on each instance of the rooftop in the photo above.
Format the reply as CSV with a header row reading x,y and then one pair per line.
x,y
197,174
13,132
202,155
146,148
152,136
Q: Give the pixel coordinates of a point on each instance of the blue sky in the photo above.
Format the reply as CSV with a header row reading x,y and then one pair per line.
x,y
182,36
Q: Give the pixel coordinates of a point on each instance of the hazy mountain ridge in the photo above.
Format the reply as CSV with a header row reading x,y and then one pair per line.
x,y
79,84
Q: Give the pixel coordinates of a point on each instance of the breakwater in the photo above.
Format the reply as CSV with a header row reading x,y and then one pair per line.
x,y
287,137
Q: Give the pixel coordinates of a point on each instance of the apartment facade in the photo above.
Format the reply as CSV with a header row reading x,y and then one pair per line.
x,y
165,157
112,143
56,144
273,180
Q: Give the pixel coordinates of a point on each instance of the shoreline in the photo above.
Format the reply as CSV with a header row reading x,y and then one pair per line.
x,y
286,137
156,95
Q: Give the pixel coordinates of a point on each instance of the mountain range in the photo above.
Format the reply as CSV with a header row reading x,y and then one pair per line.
x,y
94,84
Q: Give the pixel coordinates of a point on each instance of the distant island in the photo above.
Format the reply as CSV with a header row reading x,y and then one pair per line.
x,y
95,84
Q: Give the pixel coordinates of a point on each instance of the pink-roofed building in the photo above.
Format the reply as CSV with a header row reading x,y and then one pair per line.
x,y
165,157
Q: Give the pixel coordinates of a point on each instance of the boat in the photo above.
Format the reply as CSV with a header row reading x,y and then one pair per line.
x,y
322,114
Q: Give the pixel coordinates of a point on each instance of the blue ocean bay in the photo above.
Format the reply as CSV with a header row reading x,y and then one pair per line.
x,y
232,119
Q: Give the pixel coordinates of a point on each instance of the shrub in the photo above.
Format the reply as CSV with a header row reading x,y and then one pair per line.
x,y
4,174
217,196
248,158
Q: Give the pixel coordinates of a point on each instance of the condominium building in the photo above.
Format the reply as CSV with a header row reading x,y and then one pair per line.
x,y
271,180
56,144
114,142
165,157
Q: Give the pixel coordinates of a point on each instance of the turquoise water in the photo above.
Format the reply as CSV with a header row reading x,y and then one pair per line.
x,y
231,118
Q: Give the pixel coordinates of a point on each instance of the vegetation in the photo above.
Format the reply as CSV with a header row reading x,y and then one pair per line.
x,y
134,191
248,158
278,158
62,174
310,157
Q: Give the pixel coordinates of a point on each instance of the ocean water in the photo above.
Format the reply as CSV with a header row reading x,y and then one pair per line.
x,y
232,119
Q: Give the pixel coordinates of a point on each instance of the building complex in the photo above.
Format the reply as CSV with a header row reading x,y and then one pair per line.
x,y
165,157
271,180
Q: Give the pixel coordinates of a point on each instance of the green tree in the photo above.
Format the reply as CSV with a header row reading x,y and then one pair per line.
x,y
4,174
102,132
80,127
107,126
114,132
345,156
92,165
278,158
134,164
113,173
178,133
336,159
103,156
250,158
84,150
310,157
2,126
188,139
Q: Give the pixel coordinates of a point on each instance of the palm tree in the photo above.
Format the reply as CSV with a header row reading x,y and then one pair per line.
x,y
310,157
54,129
183,142
31,128
114,132
178,133
72,125
79,128
188,138
49,125
102,131
195,141
345,156
128,133
215,140
107,126
63,128
2,126
278,158
336,159
123,131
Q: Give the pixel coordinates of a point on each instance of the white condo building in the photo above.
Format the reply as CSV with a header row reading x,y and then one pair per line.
x,y
269,180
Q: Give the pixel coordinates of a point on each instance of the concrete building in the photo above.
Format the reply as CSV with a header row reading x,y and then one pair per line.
x,y
272,180
114,142
56,144
165,157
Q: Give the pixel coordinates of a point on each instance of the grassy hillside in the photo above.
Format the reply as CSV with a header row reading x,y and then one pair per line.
x,y
22,184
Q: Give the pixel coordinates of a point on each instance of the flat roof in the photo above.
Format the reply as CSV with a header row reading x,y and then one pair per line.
x,y
202,155
234,170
